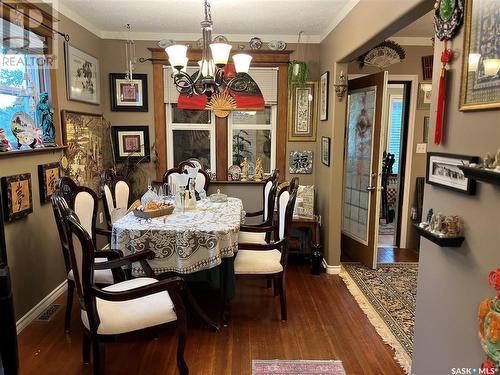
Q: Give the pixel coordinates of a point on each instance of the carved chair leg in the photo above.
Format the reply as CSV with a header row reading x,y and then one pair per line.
x,y
86,348
182,333
98,357
281,282
69,306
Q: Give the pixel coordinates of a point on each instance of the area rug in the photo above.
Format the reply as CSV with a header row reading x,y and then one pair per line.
x,y
284,367
386,228
388,298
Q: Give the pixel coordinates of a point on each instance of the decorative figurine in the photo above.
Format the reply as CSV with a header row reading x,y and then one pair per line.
x,y
487,161
45,119
430,213
489,321
259,172
38,134
244,169
5,145
496,163
452,225
437,223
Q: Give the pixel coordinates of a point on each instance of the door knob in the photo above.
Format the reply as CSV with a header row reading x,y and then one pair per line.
x,y
371,188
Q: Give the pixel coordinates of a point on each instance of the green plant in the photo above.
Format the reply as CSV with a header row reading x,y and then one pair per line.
x,y
298,73
241,147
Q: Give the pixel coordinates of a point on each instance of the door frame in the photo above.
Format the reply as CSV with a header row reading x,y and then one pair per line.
x,y
405,207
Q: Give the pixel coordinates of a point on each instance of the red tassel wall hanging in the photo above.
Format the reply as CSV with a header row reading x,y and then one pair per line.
x,y
448,18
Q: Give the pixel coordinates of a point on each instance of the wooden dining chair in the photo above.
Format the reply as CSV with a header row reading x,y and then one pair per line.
x,y
115,192
267,213
268,260
125,307
202,179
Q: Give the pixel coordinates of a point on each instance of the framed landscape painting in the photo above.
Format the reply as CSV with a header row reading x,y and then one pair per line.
x,y
443,171
302,113
132,143
17,196
82,76
129,96
48,174
480,87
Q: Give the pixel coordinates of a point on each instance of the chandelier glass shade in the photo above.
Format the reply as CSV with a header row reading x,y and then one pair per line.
x,y
211,78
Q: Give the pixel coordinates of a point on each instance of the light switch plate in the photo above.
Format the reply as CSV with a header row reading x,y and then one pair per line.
x,y
421,148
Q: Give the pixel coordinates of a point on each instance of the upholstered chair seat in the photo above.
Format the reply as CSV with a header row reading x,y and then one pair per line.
x,y
251,262
132,315
249,237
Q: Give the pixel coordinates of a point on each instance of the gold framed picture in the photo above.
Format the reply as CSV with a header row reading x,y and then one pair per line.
x,y
480,88
302,110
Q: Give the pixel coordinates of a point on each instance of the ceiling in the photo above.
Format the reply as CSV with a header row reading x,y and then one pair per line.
x,y
239,20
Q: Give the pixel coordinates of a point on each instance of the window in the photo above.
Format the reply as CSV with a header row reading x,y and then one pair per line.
x,y
21,77
251,135
190,134
394,131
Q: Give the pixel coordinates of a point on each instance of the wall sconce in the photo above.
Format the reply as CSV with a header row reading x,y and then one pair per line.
x,y
340,86
473,61
491,67
426,87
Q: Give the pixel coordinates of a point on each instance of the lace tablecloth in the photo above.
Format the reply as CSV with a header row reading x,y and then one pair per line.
x,y
183,243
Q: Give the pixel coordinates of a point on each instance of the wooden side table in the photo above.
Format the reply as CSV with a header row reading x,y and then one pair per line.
x,y
310,225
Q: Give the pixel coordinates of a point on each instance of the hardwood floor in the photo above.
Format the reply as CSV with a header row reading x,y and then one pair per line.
x,y
324,322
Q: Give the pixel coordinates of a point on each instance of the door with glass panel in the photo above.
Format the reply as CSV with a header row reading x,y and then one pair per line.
x,y
362,168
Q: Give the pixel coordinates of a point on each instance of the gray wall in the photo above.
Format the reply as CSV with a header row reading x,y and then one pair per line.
x,y
452,281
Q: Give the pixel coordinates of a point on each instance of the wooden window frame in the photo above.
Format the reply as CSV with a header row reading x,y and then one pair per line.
x,y
276,59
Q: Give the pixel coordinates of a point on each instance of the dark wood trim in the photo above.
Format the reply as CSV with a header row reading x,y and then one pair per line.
x,y
221,147
7,9
281,121
160,124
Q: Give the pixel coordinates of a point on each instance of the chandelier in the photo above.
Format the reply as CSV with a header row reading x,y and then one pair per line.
x,y
211,78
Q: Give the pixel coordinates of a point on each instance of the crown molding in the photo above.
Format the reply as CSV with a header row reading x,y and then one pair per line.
x,y
412,41
340,16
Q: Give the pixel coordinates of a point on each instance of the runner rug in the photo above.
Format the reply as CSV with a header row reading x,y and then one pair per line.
x,y
387,296
283,367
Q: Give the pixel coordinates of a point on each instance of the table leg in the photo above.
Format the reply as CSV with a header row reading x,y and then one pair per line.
x,y
201,314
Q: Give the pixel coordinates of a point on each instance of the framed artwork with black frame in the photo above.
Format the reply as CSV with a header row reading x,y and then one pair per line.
x,y
443,171
325,150
17,196
324,87
129,96
131,143
48,174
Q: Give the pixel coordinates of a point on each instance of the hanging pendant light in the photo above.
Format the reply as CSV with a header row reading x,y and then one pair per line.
x,y
130,59
210,78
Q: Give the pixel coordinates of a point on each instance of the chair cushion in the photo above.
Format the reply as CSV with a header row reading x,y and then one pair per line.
x,y
250,237
134,314
254,262
100,276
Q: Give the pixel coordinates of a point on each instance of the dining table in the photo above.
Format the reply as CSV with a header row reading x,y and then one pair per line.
x,y
197,244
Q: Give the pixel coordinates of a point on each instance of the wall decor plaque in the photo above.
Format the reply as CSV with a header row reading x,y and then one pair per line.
x,y
17,196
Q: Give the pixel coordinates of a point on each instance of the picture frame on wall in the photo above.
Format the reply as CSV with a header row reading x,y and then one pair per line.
x,y
443,171
325,150
131,143
48,174
82,75
129,95
480,86
300,162
324,87
17,196
302,113
424,95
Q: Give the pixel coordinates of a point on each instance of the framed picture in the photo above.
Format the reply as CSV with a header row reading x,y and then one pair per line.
x,y
301,162
427,66
302,113
425,136
82,76
48,174
131,143
325,150
480,88
89,150
17,196
324,87
442,170
424,95
129,96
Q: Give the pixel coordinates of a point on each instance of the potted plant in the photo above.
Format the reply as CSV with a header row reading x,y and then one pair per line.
x,y
298,73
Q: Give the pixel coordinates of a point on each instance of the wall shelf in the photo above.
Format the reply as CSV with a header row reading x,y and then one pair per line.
x,y
483,175
32,151
440,241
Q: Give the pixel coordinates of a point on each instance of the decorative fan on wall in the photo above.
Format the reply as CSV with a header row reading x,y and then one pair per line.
x,y
385,54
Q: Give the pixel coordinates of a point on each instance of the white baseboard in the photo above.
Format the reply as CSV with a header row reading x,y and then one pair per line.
x,y
331,270
40,307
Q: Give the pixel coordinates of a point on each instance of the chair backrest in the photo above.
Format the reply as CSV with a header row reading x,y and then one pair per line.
x,y
286,202
269,196
202,179
116,194
58,206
